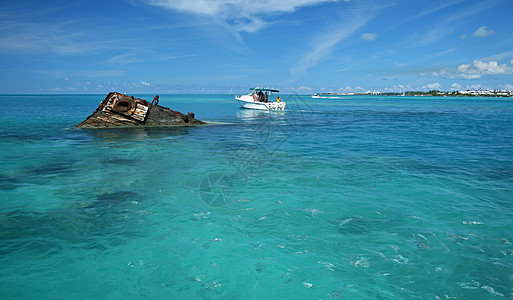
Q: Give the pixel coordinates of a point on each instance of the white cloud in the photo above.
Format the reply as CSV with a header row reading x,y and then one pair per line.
x,y
243,15
448,73
467,76
511,62
397,88
478,69
464,68
349,89
368,36
508,86
475,87
483,32
456,87
303,89
490,68
432,86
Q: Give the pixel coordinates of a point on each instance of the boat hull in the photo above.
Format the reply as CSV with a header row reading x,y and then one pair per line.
x,y
249,103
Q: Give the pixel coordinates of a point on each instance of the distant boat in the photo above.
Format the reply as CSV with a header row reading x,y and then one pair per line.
x,y
261,99
329,95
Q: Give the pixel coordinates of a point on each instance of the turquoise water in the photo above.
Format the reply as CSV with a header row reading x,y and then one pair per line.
x,y
359,198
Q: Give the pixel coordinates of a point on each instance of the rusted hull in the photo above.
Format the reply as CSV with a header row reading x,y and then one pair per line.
x,y
118,110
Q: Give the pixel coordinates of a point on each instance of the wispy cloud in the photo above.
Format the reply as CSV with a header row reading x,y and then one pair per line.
x,y
126,58
141,56
102,87
500,56
432,36
322,46
448,25
241,15
25,36
437,7
508,86
61,37
369,37
441,53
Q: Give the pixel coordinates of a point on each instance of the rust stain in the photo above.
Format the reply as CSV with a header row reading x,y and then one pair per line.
x,y
130,107
122,110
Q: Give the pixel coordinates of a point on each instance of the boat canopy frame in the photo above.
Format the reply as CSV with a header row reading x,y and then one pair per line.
x,y
264,95
264,90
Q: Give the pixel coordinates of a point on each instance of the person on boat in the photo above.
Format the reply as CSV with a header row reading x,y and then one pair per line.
x,y
278,99
260,96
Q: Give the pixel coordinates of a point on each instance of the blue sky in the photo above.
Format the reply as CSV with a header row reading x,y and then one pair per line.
x,y
227,46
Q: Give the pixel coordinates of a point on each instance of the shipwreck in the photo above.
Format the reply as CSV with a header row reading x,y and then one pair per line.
x,y
119,110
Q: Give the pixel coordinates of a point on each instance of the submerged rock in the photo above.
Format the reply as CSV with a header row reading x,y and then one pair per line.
x,y
118,110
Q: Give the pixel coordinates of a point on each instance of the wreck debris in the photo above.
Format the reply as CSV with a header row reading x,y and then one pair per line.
x,y
119,110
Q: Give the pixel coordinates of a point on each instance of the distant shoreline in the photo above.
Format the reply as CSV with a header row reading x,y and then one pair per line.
x,y
435,93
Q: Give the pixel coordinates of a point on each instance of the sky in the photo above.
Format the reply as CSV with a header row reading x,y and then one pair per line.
x,y
228,46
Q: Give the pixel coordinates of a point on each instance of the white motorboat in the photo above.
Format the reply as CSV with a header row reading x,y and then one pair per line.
x,y
262,99
330,95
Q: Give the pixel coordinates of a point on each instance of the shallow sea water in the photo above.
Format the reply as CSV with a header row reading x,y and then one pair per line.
x,y
356,198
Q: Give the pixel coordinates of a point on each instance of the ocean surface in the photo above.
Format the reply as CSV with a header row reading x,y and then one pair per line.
x,y
364,197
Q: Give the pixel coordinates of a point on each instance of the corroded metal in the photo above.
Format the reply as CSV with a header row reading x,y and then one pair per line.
x,y
119,110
